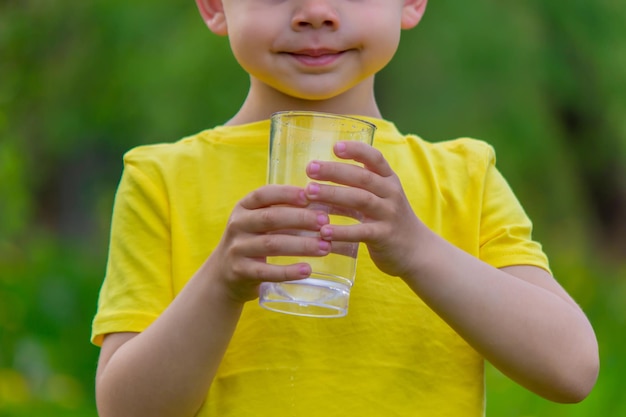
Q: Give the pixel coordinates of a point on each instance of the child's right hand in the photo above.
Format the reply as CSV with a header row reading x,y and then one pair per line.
x,y
259,227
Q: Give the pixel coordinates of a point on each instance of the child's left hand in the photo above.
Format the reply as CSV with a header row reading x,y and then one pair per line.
x,y
389,227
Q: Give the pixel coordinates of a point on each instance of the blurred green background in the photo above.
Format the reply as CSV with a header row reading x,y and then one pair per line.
x,y
82,82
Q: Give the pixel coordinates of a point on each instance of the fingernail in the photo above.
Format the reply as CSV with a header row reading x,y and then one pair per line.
x,y
326,233
340,147
322,219
305,270
313,188
324,245
314,168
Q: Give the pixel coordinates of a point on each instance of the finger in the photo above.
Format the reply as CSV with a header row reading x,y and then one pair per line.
x,y
272,219
261,246
267,272
347,174
347,199
362,232
369,156
270,195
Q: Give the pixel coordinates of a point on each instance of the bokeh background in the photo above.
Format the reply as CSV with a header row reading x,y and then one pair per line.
x,y
81,82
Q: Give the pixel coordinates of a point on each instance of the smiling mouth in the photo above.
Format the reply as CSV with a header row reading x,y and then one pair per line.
x,y
316,57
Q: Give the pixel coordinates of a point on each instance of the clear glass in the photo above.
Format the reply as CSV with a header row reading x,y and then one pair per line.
x,y
296,138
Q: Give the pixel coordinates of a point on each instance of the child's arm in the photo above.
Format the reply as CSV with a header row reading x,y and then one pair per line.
x,y
519,318
167,369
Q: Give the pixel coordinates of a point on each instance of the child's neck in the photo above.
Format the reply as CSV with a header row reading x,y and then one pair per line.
x,y
262,101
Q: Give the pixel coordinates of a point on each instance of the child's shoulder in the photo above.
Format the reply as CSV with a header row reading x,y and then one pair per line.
x,y
159,160
463,147
200,143
462,150
196,152
468,152
160,150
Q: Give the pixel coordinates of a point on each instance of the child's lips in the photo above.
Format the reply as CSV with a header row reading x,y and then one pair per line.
x,y
316,57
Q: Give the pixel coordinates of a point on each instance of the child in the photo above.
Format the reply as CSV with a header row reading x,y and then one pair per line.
x,y
448,275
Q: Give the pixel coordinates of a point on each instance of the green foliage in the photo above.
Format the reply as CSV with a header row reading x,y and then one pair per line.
x,y
82,82
48,290
541,81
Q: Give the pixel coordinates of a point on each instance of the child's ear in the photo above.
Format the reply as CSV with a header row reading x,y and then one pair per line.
x,y
412,12
212,12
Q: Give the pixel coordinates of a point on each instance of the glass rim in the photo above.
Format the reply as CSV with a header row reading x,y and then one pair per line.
x,y
337,116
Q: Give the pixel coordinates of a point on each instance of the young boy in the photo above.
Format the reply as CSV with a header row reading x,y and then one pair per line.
x,y
448,274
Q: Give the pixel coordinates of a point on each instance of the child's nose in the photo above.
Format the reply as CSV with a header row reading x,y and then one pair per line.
x,y
315,14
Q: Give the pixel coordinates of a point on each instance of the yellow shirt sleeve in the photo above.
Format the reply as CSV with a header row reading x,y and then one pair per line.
x,y
505,229
139,286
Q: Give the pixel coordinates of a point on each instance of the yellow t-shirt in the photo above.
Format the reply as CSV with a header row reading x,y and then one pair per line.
x,y
390,356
